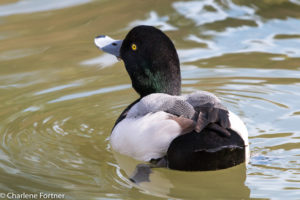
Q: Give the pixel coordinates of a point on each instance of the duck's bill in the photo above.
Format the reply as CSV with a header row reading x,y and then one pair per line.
x,y
108,45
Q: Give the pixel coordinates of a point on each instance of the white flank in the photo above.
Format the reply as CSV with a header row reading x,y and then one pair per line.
x,y
145,138
238,125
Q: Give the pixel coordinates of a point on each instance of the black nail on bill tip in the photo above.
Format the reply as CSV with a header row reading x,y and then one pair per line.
x,y
101,36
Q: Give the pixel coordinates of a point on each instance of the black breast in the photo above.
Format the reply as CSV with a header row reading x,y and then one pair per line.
x,y
207,150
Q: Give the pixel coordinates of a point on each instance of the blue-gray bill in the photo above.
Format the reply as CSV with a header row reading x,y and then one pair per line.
x,y
108,45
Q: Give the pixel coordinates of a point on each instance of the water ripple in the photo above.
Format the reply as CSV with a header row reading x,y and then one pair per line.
x,y
90,93
203,12
155,20
57,88
30,6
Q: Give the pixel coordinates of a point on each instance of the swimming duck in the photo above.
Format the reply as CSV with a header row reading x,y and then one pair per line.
x,y
184,132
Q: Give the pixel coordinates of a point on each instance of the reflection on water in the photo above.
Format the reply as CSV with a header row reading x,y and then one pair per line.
x,y
185,185
60,96
209,11
30,6
245,32
154,20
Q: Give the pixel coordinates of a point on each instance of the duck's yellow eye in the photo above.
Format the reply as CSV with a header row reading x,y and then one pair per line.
x,y
134,47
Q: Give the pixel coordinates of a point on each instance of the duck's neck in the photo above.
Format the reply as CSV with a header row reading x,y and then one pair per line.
x,y
162,77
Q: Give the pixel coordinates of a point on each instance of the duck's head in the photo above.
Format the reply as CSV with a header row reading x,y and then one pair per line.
x,y
150,59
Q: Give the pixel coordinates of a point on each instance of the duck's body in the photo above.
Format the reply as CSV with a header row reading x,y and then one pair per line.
x,y
148,130
189,132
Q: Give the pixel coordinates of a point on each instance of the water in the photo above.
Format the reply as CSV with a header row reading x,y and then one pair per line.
x,y
60,96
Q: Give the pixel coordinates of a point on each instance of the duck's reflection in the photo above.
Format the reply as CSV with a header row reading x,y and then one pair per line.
x,y
229,183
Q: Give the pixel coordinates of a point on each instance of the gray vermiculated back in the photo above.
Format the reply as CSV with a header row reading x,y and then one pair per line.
x,y
185,106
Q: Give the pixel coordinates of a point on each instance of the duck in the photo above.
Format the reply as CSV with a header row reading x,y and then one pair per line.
x,y
190,132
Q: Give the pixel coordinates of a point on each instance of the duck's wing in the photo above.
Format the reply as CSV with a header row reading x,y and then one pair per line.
x,y
216,119
174,105
211,112
192,112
